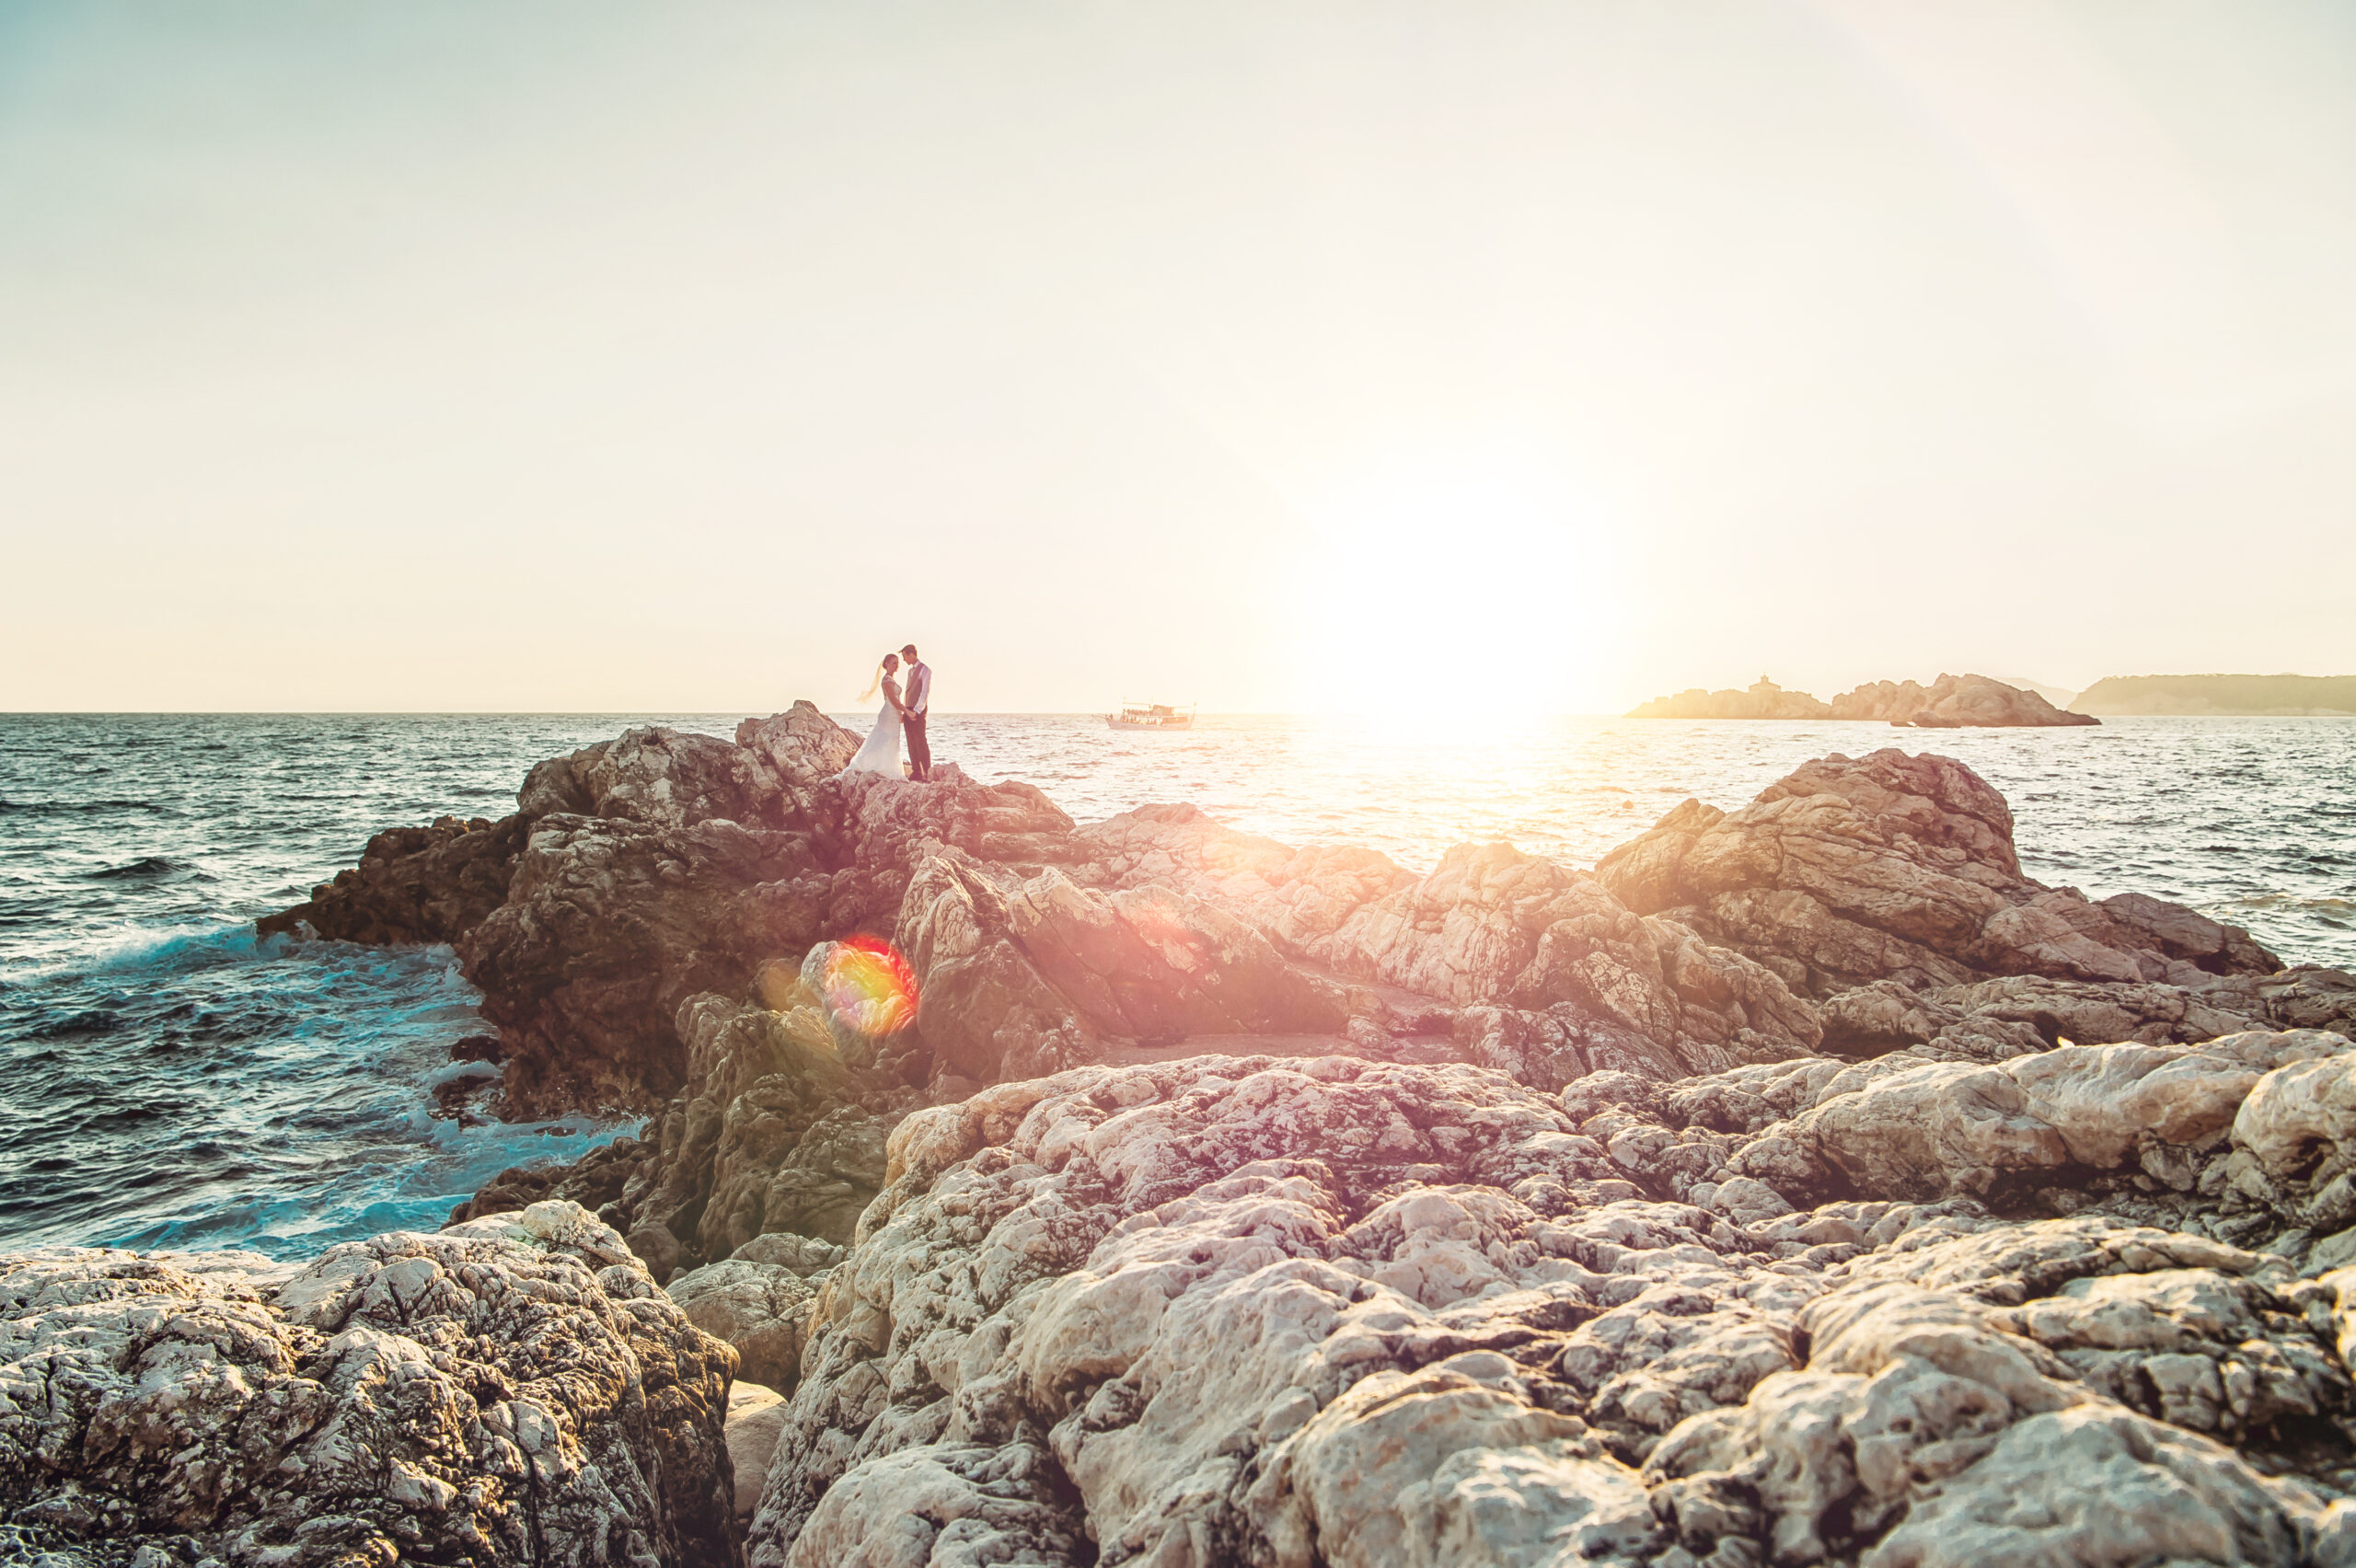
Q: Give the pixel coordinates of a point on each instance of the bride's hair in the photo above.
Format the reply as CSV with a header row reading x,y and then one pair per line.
x,y
875,682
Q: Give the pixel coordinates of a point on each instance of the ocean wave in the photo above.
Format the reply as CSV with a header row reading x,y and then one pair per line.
x,y
2297,903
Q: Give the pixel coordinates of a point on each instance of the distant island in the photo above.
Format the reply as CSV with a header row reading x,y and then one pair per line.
x,y
1951,702
2118,695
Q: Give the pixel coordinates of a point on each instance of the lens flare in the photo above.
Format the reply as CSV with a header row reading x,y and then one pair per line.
x,y
865,984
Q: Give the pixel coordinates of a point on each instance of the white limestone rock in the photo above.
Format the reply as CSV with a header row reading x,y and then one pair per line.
x,y
512,1391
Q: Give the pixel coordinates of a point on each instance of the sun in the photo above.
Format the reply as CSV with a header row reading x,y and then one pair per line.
x,y
1467,587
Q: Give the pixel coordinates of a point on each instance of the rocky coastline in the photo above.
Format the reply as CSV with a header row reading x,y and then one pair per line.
x,y
1951,702
1803,1184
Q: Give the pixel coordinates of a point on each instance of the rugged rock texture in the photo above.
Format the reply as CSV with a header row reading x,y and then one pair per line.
x,y
609,925
1992,1020
1764,700
1744,1200
1900,867
413,884
1537,967
512,1391
1954,702
660,866
1244,1310
1806,1184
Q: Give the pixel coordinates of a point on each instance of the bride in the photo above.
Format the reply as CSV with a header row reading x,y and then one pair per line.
x,y
882,752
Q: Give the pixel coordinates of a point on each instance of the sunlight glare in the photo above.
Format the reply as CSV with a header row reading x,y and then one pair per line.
x,y
1461,586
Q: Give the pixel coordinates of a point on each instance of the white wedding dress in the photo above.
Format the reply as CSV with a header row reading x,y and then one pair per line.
x,y
882,752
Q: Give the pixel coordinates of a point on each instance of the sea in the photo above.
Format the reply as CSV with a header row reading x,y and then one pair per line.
x,y
170,1082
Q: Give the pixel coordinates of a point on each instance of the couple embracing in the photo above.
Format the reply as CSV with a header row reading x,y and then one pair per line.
x,y
902,711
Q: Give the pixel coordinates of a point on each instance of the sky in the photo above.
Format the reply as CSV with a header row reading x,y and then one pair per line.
x,y
1272,356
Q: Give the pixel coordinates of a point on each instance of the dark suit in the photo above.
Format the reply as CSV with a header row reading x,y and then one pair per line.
x,y
912,726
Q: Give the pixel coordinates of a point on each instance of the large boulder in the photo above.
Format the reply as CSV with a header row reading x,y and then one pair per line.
x,y
774,1131
662,777
787,758
514,1391
1892,866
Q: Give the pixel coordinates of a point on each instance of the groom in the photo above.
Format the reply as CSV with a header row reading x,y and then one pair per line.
x,y
912,710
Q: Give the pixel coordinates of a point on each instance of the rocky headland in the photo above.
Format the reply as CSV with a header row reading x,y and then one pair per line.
x,y
1951,702
2197,695
1803,1184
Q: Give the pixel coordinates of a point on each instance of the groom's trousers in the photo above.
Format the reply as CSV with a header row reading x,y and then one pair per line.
x,y
919,754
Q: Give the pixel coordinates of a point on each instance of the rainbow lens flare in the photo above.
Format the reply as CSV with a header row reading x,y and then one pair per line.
x,y
865,985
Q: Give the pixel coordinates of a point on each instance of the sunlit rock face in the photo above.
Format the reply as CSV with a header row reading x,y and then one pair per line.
x,y
1892,866
1258,1311
1803,1184
512,1391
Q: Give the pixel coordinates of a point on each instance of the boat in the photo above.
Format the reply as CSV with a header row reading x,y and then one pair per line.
x,y
1150,716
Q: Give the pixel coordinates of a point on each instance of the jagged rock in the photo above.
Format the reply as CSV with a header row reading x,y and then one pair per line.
x,y
1490,927
509,1392
1219,1166
594,1181
937,1503
662,777
983,1009
2306,996
1895,1129
1932,1425
609,926
1252,1312
412,884
1899,868
1953,702
885,830
774,1130
788,759
2022,1015
1023,975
